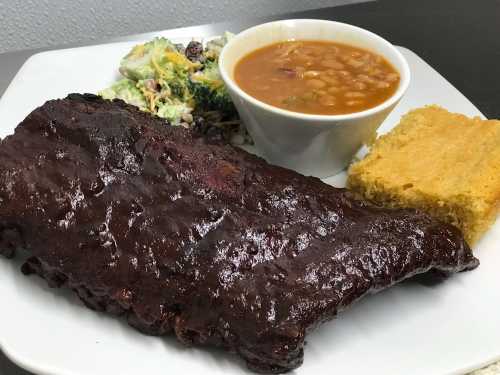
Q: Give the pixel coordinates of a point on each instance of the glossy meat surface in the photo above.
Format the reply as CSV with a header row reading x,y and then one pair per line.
x,y
183,234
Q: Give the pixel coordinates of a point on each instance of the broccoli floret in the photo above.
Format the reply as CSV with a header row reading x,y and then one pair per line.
x,y
179,89
126,90
209,91
214,47
140,62
156,59
175,113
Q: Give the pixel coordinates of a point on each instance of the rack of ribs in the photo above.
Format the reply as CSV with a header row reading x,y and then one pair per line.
x,y
181,233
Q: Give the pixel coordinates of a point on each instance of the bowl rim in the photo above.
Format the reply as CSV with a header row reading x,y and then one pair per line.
x,y
392,100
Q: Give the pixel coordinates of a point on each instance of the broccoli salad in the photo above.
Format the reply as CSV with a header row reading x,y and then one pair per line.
x,y
180,84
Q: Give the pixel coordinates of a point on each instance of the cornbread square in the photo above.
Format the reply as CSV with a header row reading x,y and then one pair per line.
x,y
440,162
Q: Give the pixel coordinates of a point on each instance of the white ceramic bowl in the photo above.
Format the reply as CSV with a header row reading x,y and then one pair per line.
x,y
317,145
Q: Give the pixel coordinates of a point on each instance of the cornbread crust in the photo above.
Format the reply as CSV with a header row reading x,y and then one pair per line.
x,y
440,162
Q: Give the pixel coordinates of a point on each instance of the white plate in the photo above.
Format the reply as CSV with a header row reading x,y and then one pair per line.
x,y
409,329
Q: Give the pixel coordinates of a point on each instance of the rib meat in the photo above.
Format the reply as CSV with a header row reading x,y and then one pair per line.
x,y
181,233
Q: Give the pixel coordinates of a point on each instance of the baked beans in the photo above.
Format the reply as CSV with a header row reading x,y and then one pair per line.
x,y
317,77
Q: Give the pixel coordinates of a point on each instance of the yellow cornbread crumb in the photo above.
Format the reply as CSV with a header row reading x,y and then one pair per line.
x,y
443,163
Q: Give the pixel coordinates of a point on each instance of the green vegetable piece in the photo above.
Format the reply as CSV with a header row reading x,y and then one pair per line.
x,y
144,60
291,100
125,90
209,91
175,113
214,47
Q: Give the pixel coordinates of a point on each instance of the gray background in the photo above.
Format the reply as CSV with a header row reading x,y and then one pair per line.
x,y
41,23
